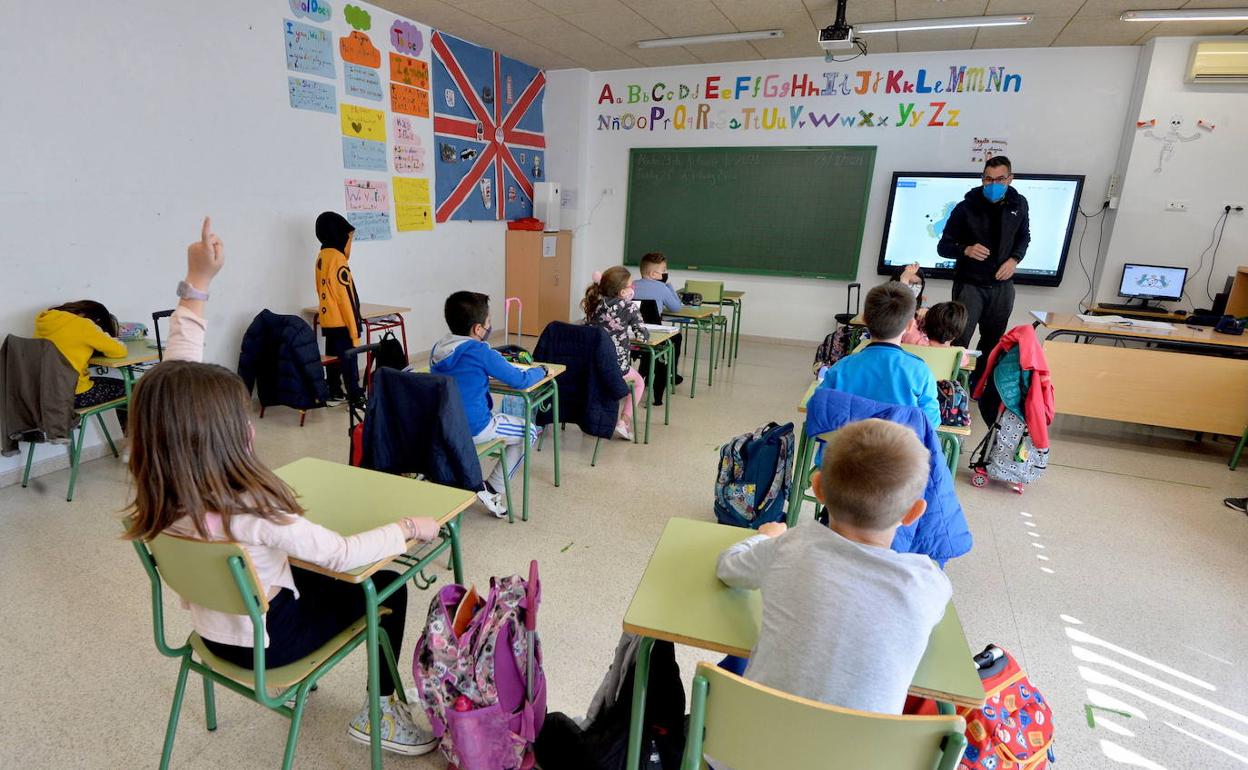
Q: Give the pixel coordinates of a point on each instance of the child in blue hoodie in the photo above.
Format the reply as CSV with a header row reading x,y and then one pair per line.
x,y
464,355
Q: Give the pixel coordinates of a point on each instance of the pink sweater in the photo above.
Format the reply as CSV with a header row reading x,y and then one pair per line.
x,y
914,335
269,543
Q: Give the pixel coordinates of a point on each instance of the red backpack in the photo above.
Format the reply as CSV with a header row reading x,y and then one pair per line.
x,y
1013,730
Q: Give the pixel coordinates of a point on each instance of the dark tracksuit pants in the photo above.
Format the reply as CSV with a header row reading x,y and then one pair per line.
x,y
989,308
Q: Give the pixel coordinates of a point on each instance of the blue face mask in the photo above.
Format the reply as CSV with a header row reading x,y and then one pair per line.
x,y
488,331
995,191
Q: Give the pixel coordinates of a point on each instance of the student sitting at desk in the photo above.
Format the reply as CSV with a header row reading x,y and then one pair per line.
x,y
938,327
653,285
882,371
80,330
608,303
195,476
846,619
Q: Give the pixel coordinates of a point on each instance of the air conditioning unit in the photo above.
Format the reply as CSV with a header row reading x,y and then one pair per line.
x,y
1218,61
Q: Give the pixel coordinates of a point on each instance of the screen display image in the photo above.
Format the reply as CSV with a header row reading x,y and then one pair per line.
x,y
919,205
1152,282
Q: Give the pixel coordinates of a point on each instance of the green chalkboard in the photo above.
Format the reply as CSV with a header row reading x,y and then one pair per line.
x,y
771,210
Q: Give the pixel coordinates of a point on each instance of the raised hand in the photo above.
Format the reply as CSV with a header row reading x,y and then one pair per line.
x,y
205,257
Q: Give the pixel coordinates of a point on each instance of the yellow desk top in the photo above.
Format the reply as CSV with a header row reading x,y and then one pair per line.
x,y
733,295
369,311
137,352
679,599
553,371
693,313
351,500
1181,333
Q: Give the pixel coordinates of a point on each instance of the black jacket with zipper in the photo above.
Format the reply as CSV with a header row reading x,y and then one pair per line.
x,y
970,223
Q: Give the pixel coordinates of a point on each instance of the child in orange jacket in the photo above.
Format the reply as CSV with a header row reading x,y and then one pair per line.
x,y
339,303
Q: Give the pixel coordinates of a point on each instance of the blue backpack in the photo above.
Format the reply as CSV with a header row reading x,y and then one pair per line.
x,y
755,470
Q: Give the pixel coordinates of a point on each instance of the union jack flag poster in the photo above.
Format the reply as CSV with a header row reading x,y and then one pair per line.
x,y
487,126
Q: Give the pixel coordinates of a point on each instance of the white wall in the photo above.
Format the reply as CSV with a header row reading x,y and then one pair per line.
x,y
1067,118
129,124
1205,173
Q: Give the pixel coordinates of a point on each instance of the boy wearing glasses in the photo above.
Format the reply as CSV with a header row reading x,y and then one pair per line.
x,y
988,234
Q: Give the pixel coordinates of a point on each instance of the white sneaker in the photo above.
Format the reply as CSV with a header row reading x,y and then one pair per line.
x,y
399,731
623,430
494,502
335,401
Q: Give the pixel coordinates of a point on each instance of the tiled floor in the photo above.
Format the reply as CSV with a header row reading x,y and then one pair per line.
x,y
1133,609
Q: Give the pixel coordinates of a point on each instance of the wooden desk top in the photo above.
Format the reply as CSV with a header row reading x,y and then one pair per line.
x,y
368,311
706,614
554,370
656,339
137,352
1180,334
351,500
956,430
699,313
733,295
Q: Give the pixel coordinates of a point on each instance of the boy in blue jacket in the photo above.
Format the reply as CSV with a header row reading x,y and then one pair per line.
x,y
464,355
883,371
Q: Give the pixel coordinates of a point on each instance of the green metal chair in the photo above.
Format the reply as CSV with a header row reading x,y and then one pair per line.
x,y
632,396
496,448
220,577
76,437
713,294
747,726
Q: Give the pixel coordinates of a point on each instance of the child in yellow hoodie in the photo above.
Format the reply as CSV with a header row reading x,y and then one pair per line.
x,y
340,304
80,330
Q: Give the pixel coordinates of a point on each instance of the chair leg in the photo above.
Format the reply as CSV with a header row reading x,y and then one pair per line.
x,y
303,415
394,667
99,416
502,458
75,454
296,720
262,411
175,710
210,704
1239,449
30,458
594,460
632,397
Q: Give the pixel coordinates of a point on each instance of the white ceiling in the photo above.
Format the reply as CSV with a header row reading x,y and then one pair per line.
x,y
603,34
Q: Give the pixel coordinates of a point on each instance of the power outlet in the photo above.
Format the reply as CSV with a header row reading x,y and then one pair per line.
x,y
1236,207
1176,206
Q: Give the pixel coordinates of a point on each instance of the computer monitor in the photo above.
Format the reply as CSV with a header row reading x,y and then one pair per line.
x,y
1145,282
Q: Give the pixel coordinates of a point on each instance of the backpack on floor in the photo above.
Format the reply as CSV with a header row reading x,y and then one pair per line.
x,y
478,669
755,470
834,347
1013,730
955,407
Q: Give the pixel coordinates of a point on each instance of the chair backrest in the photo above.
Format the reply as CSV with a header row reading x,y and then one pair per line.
x,y
711,291
802,734
944,362
199,572
159,314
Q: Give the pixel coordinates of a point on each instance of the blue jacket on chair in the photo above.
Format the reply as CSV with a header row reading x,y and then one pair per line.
x,y
415,423
281,360
941,532
591,389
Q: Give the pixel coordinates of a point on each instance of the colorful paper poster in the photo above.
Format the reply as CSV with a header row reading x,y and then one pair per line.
x,y
408,159
402,132
362,82
357,17
370,225
358,49
309,49
408,100
412,210
405,38
312,95
363,155
409,71
316,10
363,123
367,195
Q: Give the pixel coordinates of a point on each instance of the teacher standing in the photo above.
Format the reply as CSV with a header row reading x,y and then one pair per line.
x,y
988,234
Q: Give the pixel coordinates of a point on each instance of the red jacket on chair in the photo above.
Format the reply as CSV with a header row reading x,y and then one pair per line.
x,y
1038,404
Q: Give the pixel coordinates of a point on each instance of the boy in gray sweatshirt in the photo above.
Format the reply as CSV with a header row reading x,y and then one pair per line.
x,y
845,618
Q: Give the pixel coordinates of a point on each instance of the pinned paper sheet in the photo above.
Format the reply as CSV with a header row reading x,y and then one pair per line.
x,y
357,48
316,10
403,133
983,148
405,37
363,123
367,195
312,95
309,49
370,225
412,209
408,159
362,82
409,71
408,100
363,155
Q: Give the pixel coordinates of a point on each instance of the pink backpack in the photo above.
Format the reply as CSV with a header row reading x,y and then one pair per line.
x,y
484,690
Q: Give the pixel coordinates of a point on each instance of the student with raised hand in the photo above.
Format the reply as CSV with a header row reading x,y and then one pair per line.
x,y
196,476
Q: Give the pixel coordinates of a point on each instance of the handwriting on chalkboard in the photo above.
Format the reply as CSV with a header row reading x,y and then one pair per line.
x,y
312,95
309,49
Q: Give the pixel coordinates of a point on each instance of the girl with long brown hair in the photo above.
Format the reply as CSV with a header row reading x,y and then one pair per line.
x,y
196,476
608,303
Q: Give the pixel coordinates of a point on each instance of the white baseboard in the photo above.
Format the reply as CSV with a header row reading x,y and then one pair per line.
x,y
58,462
790,341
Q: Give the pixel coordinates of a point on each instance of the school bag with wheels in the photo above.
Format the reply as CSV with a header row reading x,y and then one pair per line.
x,y
755,471
478,670
955,407
839,343
1013,730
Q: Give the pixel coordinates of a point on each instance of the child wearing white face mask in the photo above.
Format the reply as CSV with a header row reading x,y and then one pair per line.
x,y
608,303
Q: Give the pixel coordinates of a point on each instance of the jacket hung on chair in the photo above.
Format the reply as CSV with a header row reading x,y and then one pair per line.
x,y
591,388
37,384
415,423
941,532
281,361
1038,400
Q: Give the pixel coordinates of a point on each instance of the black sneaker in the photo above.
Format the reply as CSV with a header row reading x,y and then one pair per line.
x,y
1237,504
678,379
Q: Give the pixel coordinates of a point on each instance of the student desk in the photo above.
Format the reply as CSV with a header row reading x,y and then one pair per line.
x,y
137,352
351,500
545,391
680,600
1163,383
377,319
658,348
701,317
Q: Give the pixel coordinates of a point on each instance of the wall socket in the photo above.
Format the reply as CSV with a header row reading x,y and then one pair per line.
x,y
1176,206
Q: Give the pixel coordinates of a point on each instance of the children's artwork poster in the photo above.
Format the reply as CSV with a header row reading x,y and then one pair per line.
x,y
316,10
367,195
408,159
357,48
409,71
408,100
312,95
362,82
406,38
411,204
363,155
983,148
490,147
370,225
309,49
402,131
363,123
